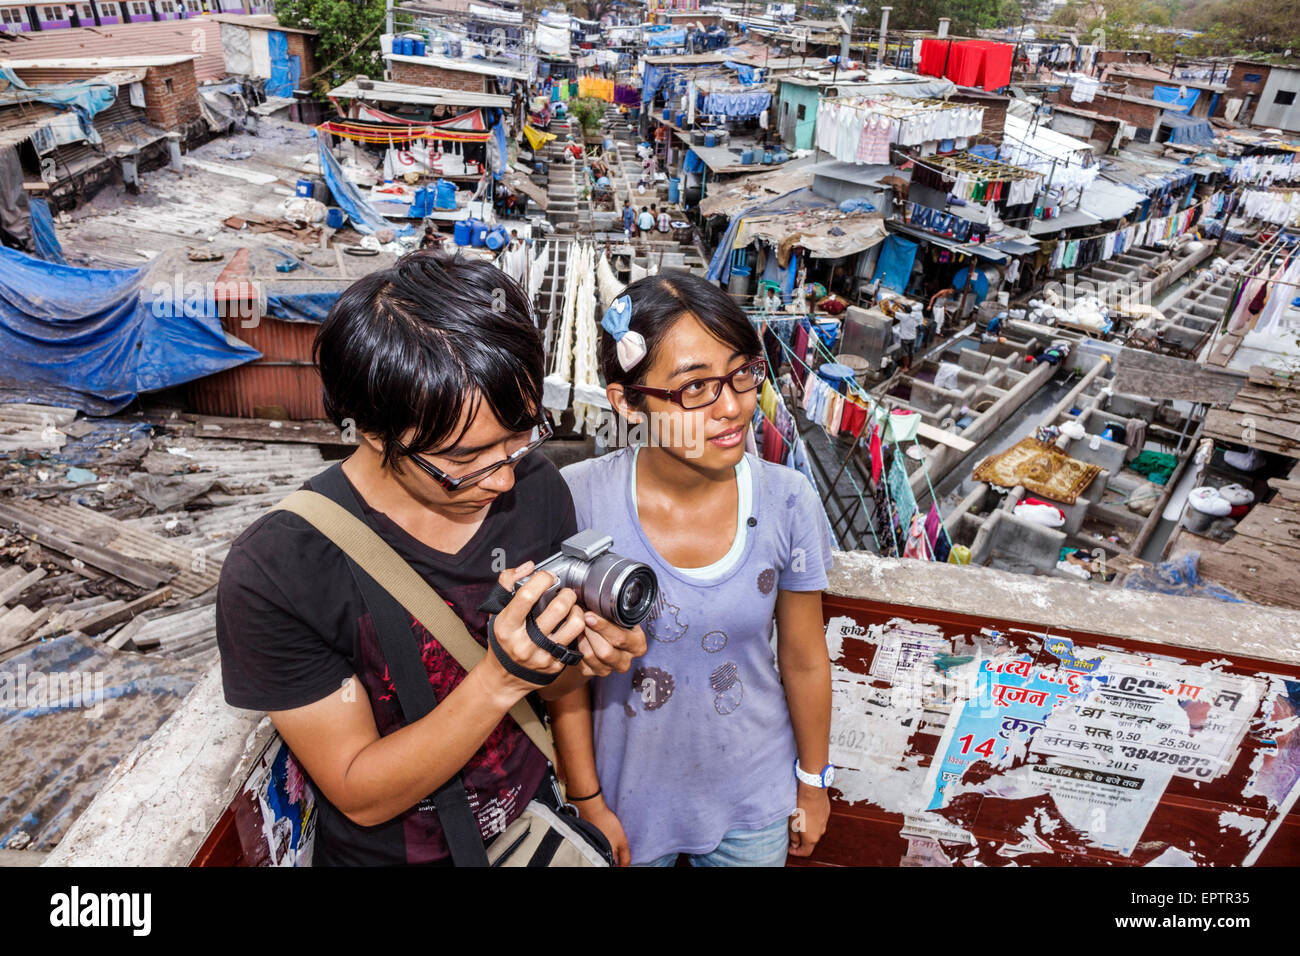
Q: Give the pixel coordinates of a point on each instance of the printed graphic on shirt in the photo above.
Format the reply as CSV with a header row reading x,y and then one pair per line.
x,y
714,641
503,756
663,624
653,686
767,580
726,684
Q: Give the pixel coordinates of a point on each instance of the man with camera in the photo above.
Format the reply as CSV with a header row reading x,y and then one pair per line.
x,y
437,368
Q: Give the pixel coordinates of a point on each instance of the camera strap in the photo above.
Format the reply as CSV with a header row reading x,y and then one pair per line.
x,y
495,604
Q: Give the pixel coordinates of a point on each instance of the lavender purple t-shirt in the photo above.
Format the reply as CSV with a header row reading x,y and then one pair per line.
x,y
695,739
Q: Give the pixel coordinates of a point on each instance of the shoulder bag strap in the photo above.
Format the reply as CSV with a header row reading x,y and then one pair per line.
x,y
381,563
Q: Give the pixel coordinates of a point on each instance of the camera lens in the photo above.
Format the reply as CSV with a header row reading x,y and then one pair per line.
x,y
637,595
619,590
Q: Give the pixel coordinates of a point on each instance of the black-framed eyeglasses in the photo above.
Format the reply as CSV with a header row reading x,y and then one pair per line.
x,y
539,434
703,392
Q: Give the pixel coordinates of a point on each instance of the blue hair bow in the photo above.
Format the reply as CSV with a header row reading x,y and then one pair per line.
x,y
617,322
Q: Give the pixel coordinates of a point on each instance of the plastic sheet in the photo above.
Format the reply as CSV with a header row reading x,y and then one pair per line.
x,y
365,219
43,237
1178,577
94,339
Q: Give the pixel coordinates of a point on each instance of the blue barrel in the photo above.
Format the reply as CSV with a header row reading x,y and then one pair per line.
x,y
747,157
420,47
496,238
767,157
479,236
335,217
779,156
668,113
461,231
306,187
674,189
710,139
835,375
444,195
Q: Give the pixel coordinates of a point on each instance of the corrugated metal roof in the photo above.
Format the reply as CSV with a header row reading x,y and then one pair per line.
x,y
462,66
384,92
17,125
46,75
258,21
126,40
104,64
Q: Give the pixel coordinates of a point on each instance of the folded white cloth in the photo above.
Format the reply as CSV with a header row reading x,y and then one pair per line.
x,y
1045,515
1208,501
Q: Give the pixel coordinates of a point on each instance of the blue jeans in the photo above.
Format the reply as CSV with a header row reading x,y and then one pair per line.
x,y
765,847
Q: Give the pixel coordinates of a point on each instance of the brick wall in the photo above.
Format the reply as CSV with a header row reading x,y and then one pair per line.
x,y
1240,87
172,109
1123,56
1139,115
300,46
421,75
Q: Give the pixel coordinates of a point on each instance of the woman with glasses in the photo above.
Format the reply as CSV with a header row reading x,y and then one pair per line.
x,y
704,747
442,387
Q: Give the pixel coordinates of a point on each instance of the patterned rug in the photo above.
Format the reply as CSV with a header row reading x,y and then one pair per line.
x,y
1042,468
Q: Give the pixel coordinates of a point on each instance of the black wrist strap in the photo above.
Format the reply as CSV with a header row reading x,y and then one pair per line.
x,y
496,601
415,694
513,667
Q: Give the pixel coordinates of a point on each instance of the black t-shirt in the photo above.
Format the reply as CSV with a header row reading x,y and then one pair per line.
x,y
292,626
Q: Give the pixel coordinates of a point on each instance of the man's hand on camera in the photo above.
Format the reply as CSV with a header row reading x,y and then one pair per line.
x,y
606,647
562,621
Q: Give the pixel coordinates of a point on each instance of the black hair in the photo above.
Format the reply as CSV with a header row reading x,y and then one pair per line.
x,y
421,343
658,301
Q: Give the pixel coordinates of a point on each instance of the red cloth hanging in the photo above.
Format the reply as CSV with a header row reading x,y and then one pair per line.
x,y
934,56
877,455
995,65
773,443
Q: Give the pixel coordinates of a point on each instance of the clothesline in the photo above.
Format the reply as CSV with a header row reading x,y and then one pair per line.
x,y
882,429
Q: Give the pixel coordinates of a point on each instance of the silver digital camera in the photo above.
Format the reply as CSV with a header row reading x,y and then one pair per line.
x,y
617,588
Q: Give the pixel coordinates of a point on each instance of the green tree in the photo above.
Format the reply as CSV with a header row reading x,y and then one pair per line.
x,y
347,40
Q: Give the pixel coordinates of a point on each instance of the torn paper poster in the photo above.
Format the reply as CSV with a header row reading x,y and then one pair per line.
x,y
904,649
1145,714
839,628
1009,704
931,826
1111,808
1063,649
1172,856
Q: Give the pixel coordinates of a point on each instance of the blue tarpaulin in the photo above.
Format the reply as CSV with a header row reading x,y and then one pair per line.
x,y
301,306
348,197
746,74
668,38
84,97
1187,130
94,339
43,237
285,69
1178,104
797,200
894,264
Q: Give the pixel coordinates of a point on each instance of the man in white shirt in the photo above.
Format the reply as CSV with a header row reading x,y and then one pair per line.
x,y
905,333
